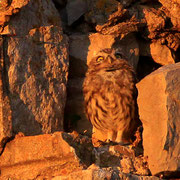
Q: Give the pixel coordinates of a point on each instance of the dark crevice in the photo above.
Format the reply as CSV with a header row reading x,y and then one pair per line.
x,y
5,58
4,141
146,65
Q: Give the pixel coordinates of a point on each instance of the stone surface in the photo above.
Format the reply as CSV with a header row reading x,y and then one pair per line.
x,y
159,109
75,9
36,64
155,20
78,50
7,9
100,10
103,173
172,9
43,156
159,53
75,117
68,156
128,43
5,109
82,48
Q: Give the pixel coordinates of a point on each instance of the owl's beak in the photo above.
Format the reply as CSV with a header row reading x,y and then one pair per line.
x,y
110,59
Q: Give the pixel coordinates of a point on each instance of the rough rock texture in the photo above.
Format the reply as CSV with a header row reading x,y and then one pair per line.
x,y
82,47
101,174
172,9
100,10
159,109
128,43
69,156
75,117
7,9
33,76
5,109
36,68
43,156
143,28
78,51
75,9
161,54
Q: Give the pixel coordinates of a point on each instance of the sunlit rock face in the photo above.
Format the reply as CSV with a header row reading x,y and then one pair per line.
x,y
159,109
35,56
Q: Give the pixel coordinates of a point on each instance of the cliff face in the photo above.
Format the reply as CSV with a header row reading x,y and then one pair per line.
x,y
45,47
34,56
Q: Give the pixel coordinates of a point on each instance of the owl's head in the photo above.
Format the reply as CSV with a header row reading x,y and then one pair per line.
x,y
107,60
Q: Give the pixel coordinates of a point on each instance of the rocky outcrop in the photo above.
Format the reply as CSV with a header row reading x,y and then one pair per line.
x,y
35,58
82,49
128,43
69,156
33,157
159,105
146,30
5,109
33,77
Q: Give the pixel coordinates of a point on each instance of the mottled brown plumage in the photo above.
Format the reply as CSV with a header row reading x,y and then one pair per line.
x,y
110,95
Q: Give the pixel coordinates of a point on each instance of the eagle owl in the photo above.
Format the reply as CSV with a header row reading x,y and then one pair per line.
x,y
110,96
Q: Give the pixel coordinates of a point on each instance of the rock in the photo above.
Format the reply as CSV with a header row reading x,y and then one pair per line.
x,y
159,52
103,173
60,2
44,156
82,48
172,10
159,104
75,9
5,109
36,64
128,43
68,156
155,20
100,10
78,50
7,9
75,117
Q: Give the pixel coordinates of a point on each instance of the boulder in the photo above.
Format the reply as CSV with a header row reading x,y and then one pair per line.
x,y
82,48
5,108
78,50
75,117
159,109
155,20
159,52
75,9
96,173
128,43
44,156
172,10
36,68
7,9
69,156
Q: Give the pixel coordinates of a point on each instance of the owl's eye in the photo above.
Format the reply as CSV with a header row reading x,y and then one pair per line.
x,y
99,59
118,55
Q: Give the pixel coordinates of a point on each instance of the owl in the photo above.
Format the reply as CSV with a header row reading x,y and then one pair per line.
x,y
110,96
